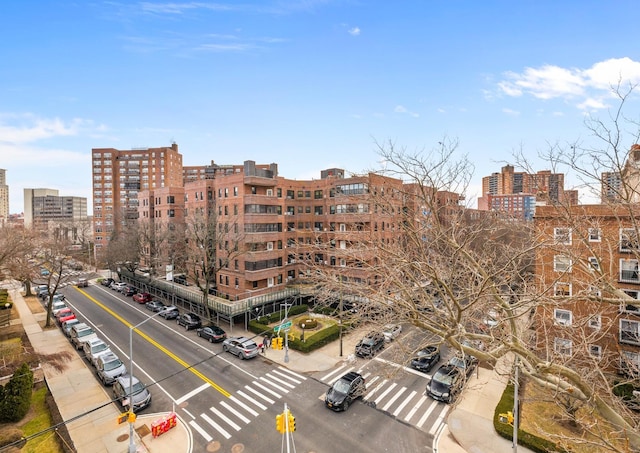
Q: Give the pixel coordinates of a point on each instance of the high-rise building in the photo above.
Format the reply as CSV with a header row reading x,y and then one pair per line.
x,y
118,177
4,197
623,185
63,216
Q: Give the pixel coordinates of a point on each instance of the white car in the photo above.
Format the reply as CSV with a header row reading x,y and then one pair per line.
x,y
95,348
391,331
118,286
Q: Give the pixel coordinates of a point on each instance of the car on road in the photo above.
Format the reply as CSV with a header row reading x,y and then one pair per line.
x,y
189,321
213,334
65,312
128,291
426,359
106,281
109,367
243,347
344,391
154,305
82,282
94,348
170,312
446,383
391,331
140,396
370,344
466,363
58,306
66,318
142,298
67,325
180,280
118,286
80,334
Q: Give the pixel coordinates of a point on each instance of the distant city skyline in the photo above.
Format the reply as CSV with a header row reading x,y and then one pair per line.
x,y
308,85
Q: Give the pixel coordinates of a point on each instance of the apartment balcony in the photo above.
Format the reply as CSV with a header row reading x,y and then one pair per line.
x,y
263,274
260,181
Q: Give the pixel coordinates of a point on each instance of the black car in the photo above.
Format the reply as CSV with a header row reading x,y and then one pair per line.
x,y
344,391
189,321
214,334
446,383
155,306
467,363
426,359
370,344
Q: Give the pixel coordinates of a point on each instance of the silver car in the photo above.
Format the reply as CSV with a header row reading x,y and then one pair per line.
x,y
109,367
94,348
243,347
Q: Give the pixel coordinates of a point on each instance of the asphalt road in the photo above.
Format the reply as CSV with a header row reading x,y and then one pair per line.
x,y
231,404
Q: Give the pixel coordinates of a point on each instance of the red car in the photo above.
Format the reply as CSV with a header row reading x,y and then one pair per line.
x,y
63,314
142,298
62,319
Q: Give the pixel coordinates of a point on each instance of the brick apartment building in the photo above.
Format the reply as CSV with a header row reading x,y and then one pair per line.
x,y
587,260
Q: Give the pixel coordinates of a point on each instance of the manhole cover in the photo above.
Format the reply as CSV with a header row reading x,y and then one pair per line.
x,y
237,448
143,430
122,437
213,446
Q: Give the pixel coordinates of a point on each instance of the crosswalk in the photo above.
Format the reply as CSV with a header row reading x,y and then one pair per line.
x,y
401,402
229,416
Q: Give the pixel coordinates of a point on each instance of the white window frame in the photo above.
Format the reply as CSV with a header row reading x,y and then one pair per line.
x,y
594,263
595,351
624,305
632,269
562,317
561,285
342,227
626,234
630,357
269,192
563,346
269,282
562,235
595,234
562,263
343,262
633,335
269,246
595,322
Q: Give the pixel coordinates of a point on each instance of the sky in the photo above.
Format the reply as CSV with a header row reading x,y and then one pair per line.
x,y
307,84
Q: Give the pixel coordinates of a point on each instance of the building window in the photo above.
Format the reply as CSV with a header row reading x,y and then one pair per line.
x,y
342,227
270,282
593,262
594,234
235,191
562,289
629,271
595,351
562,317
562,346
595,322
269,192
562,236
561,263
269,245
343,262
226,192
629,331
630,362
628,240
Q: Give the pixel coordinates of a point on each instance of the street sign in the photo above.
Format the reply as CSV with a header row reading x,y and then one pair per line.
x,y
283,326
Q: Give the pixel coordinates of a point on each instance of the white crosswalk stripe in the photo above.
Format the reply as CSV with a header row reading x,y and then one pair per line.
x,y
439,420
235,412
258,394
286,376
241,404
268,390
256,403
224,418
404,403
215,426
393,399
201,431
416,407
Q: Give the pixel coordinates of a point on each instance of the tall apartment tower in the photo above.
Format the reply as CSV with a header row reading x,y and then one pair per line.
x,y
4,197
624,184
118,177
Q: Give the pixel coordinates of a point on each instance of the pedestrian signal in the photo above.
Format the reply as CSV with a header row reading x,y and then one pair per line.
x,y
280,424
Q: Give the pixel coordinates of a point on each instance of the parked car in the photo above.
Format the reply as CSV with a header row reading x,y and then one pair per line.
x,y
142,298
214,334
370,344
140,396
94,348
391,331
154,305
466,363
446,383
170,312
66,318
128,291
106,281
189,321
57,297
57,307
66,311
67,325
43,293
180,280
81,333
118,286
109,367
82,282
44,272
243,347
426,359
344,391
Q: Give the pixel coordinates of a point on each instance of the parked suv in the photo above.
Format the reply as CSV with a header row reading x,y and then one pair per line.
x,y
370,344
81,333
109,367
243,347
140,395
189,321
95,348
446,383
344,391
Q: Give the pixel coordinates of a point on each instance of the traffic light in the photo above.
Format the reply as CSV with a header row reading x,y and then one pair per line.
x,y
280,426
292,422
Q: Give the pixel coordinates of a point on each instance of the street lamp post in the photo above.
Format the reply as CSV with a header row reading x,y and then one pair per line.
x,y
302,325
132,445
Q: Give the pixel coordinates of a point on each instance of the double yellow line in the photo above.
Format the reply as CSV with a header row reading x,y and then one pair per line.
x,y
157,345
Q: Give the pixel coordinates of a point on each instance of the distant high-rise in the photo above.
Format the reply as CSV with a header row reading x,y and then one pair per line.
x,y
624,184
64,216
4,197
118,176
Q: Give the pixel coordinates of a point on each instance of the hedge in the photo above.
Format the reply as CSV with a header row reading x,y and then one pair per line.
x,y
525,439
15,397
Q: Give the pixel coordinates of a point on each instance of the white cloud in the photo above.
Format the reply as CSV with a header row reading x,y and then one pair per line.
x,y
400,109
25,128
510,112
587,88
355,31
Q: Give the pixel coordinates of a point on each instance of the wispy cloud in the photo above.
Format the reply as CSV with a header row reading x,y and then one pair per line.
x,y
587,88
510,112
26,128
403,110
355,31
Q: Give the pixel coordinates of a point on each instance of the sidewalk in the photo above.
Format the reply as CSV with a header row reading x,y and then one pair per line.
x,y
78,393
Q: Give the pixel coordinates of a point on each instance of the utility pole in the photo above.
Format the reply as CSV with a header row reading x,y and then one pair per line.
x,y
516,418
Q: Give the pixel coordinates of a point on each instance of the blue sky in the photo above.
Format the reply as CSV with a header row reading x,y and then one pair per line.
x,y
308,84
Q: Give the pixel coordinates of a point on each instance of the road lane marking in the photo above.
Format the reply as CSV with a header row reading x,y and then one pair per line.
x,y
257,393
383,394
394,398
200,430
426,414
247,397
192,393
324,378
241,404
156,344
277,379
439,420
299,376
262,378
217,427
375,389
268,390
404,403
285,376
225,419
416,407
